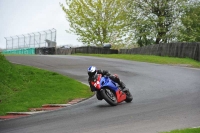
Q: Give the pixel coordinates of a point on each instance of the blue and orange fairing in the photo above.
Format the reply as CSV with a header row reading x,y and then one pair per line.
x,y
102,82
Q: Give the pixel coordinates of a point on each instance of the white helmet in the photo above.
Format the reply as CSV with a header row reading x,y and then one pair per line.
x,y
92,71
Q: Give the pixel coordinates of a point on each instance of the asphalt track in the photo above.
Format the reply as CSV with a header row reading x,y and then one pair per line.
x,y
165,98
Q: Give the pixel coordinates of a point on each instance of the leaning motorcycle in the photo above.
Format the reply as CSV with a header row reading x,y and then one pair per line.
x,y
109,91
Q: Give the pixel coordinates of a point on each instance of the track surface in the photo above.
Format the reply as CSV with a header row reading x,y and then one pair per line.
x,y
165,98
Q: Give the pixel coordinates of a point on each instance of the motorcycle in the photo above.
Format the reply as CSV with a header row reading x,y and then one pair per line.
x,y
109,91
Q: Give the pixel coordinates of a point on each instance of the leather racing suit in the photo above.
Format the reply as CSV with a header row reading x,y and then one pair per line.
x,y
114,78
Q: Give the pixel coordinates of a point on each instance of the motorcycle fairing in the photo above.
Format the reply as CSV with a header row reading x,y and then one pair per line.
x,y
107,82
121,96
102,82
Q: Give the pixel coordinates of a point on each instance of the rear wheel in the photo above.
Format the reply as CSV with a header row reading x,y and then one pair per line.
x,y
129,96
109,96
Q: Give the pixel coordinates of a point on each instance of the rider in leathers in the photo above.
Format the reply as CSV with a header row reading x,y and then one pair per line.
x,y
92,72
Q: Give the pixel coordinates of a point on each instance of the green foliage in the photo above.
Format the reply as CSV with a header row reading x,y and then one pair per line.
x,y
155,21
23,87
191,24
97,22
124,23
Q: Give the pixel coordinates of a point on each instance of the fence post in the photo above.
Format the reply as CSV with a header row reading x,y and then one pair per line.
x,y
12,42
29,40
6,42
39,38
34,39
24,40
51,34
55,35
18,41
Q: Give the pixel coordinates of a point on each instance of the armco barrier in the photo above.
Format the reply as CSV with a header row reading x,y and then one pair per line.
x,y
20,51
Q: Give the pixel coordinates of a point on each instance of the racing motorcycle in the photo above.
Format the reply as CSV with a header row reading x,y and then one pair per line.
x,y
109,91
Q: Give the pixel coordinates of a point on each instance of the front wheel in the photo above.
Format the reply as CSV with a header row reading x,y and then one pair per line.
x,y
109,96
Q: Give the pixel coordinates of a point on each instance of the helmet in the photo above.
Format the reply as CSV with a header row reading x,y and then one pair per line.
x,y
92,72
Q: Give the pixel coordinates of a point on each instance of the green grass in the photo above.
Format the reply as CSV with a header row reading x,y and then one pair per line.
x,y
151,59
189,130
23,87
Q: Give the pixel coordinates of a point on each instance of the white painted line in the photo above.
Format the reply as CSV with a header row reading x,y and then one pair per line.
x,y
25,113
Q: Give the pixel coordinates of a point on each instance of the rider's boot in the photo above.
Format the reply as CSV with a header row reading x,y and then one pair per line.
x,y
122,85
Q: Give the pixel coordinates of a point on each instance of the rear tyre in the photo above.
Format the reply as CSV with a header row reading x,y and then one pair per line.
x,y
129,96
109,96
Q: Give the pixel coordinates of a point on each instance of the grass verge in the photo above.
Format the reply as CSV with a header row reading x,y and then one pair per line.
x,y
23,87
151,59
189,130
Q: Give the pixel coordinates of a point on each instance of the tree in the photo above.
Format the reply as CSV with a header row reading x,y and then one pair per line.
x,y
97,21
154,21
190,31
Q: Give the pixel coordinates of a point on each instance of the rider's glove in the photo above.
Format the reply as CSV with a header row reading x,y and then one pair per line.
x,y
107,73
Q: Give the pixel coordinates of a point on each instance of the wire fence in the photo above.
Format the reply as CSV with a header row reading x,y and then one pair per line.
x,y
31,40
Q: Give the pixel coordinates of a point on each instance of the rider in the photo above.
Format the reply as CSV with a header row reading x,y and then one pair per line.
x,y
92,73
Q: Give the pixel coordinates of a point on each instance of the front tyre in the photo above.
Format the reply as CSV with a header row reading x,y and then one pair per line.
x,y
98,95
109,96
